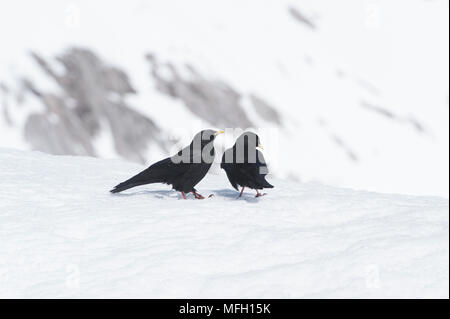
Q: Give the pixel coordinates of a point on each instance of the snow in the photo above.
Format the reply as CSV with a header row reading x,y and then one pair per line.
x,y
63,235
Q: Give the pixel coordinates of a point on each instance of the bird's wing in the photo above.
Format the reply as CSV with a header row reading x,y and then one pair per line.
x,y
194,174
161,172
190,154
228,167
226,154
261,163
262,170
254,171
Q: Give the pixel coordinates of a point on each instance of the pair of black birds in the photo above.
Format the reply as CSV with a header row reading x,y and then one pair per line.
x,y
244,164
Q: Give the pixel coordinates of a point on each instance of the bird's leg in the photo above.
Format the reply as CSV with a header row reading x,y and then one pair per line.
x,y
182,194
197,195
258,194
242,191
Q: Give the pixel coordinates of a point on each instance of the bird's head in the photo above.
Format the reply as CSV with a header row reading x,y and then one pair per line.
x,y
249,141
205,137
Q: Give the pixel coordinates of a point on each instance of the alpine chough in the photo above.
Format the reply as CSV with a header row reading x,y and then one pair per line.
x,y
245,165
183,171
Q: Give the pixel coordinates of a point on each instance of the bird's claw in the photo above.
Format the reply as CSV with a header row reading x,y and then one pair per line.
x,y
198,196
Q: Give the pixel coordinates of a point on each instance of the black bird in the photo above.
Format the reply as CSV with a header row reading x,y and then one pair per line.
x,y
245,165
183,171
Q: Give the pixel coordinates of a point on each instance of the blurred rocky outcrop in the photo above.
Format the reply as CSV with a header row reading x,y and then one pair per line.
x,y
4,91
386,113
212,100
265,110
87,99
302,18
91,98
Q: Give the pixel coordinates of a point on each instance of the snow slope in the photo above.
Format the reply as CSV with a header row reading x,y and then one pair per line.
x,y
63,235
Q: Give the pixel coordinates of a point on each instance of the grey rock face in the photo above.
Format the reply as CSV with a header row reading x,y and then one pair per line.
x,y
132,131
62,137
91,99
303,19
4,104
416,124
93,95
212,100
265,110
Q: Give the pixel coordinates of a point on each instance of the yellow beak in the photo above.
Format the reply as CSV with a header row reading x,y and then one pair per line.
x,y
219,132
261,147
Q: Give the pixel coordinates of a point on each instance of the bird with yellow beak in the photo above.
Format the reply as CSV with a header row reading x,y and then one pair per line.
x,y
183,170
245,166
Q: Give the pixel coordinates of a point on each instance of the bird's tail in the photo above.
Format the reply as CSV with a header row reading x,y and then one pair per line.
x,y
153,174
124,186
140,179
267,184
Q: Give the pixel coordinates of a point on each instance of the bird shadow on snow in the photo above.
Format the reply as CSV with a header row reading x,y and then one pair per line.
x,y
162,194
157,194
230,194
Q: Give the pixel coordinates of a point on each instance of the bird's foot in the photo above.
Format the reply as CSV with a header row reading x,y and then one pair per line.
x,y
258,194
242,192
212,195
198,196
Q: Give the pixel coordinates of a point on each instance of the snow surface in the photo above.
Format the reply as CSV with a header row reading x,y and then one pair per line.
x,y
63,235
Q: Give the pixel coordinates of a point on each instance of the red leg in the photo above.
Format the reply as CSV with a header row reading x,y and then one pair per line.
x,y
242,191
182,194
258,194
197,195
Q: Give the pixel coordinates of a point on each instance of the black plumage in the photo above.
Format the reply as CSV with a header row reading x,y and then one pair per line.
x,y
245,165
183,171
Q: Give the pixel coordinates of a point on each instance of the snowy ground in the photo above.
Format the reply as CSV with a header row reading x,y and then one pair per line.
x,y
63,235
